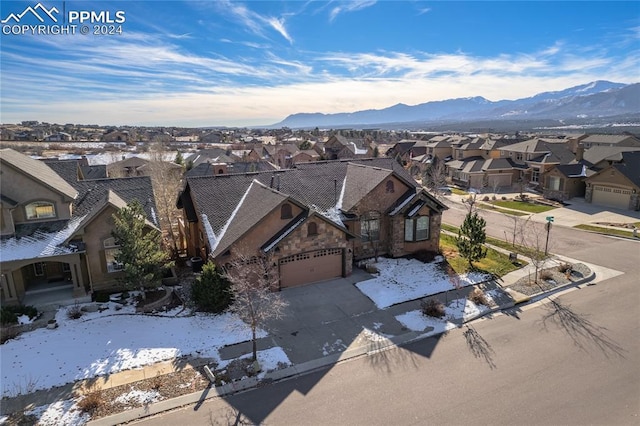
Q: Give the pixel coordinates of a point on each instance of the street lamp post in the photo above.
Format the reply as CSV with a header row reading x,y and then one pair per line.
x,y
548,226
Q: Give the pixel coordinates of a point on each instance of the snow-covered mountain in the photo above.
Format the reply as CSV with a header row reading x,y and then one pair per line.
x,y
595,99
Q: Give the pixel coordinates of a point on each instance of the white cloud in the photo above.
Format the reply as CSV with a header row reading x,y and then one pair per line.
x,y
350,6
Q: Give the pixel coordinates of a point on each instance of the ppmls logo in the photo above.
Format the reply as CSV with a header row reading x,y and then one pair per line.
x,y
40,20
50,13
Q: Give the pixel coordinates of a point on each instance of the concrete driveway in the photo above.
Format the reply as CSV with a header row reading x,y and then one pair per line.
x,y
324,318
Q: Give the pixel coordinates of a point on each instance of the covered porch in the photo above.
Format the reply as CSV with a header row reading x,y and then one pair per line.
x,y
41,281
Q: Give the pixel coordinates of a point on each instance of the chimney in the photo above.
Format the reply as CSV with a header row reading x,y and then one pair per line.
x,y
272,179
335,191
579,152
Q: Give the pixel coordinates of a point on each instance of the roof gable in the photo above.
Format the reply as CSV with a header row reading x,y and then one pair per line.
x,y
39,171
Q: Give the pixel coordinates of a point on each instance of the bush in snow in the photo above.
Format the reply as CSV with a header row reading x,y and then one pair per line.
x,y
478,297
211,292
91,401
432,307
10,314
546,275
74,312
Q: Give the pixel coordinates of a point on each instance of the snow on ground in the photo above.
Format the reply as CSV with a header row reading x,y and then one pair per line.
x,y
456,309
401,280
64,412
269,359
106,342
136,396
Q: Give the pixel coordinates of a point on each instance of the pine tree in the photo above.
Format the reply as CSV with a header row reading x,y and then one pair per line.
x,y
211,292
179,159
471,237
140,253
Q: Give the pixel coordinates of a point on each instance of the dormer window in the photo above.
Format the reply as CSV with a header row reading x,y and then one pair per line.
x,y
285,211
390,187
40,210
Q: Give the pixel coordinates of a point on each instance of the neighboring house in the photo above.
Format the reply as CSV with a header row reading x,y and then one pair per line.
x,y
212,169
402,150
610,141
599,157
56,233
58,137
136,166
538,156
565,181
128,167
306,156
479,173
617,185
313,220
117,136
340,147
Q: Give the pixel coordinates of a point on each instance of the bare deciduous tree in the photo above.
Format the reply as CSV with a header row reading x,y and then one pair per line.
x,y
254,281
534,237
435,176
166,179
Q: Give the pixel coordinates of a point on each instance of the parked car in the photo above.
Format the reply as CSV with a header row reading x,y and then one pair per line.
x,y
445,190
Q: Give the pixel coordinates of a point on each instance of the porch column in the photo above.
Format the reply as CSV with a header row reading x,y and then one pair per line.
x,y
8,286
76,279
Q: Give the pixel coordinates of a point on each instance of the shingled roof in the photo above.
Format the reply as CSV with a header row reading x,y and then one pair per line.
x,y
37,170
230,204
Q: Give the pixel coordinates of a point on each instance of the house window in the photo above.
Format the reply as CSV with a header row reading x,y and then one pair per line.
x,y
38,269
66,267
285,211
370,226
390,187
535,175
554,183
111,252
518,156
416,229
40,210
312,229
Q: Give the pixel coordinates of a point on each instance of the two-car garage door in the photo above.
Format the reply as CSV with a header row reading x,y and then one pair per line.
x,y
311,266
608,196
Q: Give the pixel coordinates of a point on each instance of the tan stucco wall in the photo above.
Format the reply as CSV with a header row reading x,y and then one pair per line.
x,y
22,189
611,177
95,233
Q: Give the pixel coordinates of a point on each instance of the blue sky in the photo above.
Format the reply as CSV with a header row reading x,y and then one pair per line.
x,y
208,63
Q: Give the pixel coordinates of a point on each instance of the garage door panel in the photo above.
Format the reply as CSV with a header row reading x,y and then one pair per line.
x,y
609,196
309,267
499,180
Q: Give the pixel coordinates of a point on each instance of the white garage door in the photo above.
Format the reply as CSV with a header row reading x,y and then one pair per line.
x,y
309,267
613,197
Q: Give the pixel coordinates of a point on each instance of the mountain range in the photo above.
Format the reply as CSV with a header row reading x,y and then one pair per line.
x,y
597,99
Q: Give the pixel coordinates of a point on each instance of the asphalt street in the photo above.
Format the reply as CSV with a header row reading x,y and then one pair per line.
x,y
574,359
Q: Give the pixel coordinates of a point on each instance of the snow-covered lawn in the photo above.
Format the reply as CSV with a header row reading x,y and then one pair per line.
x,y
110,341
401,280
456,309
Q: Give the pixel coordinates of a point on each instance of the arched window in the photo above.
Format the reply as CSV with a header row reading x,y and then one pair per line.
x,y
312,229
390,187
370,226
40,210
285,211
